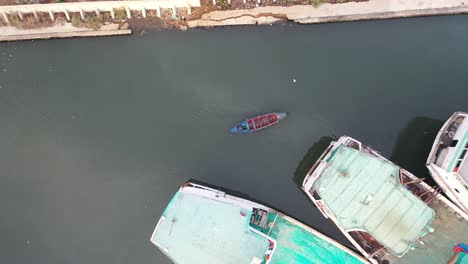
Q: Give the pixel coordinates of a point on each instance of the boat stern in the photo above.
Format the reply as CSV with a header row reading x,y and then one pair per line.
x,y
243,127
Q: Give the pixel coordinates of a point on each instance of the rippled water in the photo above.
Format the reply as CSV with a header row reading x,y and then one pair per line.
x,y
98,134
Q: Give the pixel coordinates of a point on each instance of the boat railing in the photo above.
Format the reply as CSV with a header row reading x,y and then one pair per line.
x,y
352,143
319,160
368,243
417,187
271,240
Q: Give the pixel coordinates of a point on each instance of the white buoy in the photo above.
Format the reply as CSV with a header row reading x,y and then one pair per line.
x,y
294,80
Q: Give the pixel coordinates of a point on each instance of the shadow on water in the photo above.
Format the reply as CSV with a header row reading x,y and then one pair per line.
x,y
413,145
310,158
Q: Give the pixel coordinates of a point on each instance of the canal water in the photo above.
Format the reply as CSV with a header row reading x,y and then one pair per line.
x,y
97,134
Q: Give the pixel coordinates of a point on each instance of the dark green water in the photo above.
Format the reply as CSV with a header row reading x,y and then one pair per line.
x,y
98,134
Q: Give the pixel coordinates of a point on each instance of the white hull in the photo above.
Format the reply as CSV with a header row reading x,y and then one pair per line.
x,y
447,162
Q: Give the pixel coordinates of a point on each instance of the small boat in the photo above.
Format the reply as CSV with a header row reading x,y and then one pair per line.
x,y
258,122
448,162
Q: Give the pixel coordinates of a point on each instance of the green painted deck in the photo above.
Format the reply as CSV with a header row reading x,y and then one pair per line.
x,y
296,245
364,193
462,258
200,229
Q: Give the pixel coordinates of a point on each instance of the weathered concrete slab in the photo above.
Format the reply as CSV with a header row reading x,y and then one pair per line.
x,y
65,30
373,9
66,35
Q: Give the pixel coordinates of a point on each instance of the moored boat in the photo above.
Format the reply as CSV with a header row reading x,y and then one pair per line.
x,y
448,159
205,225
386,212
258,122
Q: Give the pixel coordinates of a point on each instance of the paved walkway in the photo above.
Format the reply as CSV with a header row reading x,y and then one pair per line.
x,y
373,9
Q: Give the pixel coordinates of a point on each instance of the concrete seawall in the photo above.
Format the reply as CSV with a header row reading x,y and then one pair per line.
x,y
303,14
65,30
97,7
352,11
58,29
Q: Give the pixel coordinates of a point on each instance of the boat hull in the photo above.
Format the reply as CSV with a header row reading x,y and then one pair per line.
x,y
447,161
258,122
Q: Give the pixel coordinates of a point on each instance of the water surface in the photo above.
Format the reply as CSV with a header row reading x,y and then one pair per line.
x,y
98,134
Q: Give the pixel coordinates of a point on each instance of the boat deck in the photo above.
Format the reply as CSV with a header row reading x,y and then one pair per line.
x,y
200,229
448,151
345,185
365,194
262,121
204,226
437,247
297,245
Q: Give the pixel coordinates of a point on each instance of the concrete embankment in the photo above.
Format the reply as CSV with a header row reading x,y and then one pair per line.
x,y
351,11
65,30
59,16
97,7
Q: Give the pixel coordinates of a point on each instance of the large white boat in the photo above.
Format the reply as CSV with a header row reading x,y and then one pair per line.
x,y
205,225
448,162
386,212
